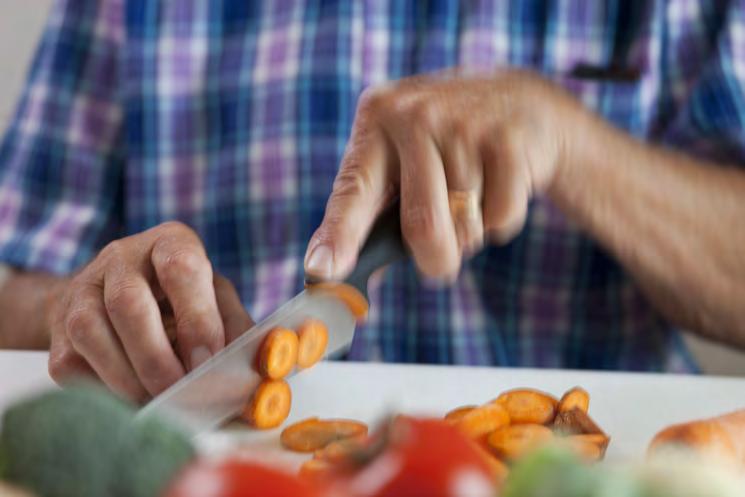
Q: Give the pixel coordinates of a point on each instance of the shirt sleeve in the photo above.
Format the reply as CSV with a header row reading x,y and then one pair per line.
x,y
61,157
705,69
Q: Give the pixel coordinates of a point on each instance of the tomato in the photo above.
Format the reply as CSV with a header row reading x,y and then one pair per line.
x,y
238,478
423,457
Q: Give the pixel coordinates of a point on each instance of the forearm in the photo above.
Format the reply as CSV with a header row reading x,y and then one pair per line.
x,y
24,300
676,223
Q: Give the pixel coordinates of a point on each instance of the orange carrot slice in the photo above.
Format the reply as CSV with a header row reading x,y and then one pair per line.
x,y
577,398
313,336
514,441
589,447
355,301
269,405
526,406
316,470
278,353
458,412
313,434
340,451
482,420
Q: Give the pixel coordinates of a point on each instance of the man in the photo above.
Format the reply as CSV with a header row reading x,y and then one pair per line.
x,y
163,150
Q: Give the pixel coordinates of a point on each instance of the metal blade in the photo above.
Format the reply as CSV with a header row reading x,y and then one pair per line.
x,y
218,389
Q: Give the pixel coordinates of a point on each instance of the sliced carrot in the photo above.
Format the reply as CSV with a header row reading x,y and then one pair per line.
x,y
514,441
526,406
313,336
316,470
575,422
340,451
278,353
590,447
458,412
355,301
269,405
313,434
577,398
497,468
482,420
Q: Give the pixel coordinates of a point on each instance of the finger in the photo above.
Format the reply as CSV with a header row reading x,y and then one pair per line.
x,y
92,336
135,315
65,364
362,188
426,223
506,186
464,178
185,275
235,319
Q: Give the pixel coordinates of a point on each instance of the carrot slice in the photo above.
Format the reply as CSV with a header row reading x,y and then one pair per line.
x,y
589,447
278,353
269,405
458,412
316,470
313,434
340,451
575,422
514,441
577,397
526,406
497,468
355,301
482,420
313,336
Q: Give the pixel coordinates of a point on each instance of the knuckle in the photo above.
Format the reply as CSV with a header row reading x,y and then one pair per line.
x,y
114,251
79,325
174,228
60,364
124,298
353,180
420,112
372,100
180,265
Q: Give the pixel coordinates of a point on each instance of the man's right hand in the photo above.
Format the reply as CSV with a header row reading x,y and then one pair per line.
x,y
147,309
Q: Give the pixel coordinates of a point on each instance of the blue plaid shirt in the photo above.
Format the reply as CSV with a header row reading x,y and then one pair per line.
x,y
232,116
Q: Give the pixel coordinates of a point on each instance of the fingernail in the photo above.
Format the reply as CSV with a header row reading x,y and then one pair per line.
x,y
321,262
199,355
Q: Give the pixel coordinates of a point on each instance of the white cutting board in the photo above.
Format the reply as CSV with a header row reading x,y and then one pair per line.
x,y
630,407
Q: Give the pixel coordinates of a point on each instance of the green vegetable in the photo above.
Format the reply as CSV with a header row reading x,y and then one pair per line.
x,y
551,472
84,442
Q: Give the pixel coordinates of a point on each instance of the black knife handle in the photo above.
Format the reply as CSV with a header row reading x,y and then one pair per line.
x,y
384,245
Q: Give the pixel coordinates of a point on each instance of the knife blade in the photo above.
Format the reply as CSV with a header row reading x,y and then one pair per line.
x,y
218,389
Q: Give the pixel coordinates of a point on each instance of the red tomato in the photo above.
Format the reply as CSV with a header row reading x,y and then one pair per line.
x,y
236,478
424,457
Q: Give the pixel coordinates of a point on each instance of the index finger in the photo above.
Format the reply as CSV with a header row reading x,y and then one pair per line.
x,y
361,190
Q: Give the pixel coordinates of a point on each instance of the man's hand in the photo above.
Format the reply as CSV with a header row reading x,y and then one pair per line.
x,y
464,154
146,310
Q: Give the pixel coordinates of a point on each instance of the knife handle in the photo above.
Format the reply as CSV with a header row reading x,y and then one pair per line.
x,y
384,245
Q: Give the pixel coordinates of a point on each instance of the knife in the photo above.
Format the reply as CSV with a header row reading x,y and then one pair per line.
x,y
219,388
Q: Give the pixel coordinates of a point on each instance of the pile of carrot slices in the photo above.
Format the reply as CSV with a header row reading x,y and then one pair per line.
x,y
282,350
502,430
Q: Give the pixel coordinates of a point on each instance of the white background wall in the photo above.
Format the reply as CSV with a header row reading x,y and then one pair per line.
x,y
21,22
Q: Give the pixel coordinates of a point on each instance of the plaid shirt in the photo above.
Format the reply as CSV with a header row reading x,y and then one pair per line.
x,y
232,117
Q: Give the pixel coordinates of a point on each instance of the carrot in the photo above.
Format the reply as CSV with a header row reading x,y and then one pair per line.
x,y
354,300
589,447
721,438
269,405
313,434
316,470
339,451
575,422
278,353
457,413
577,397
526,406
497,468
482,420
514,441
313,336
